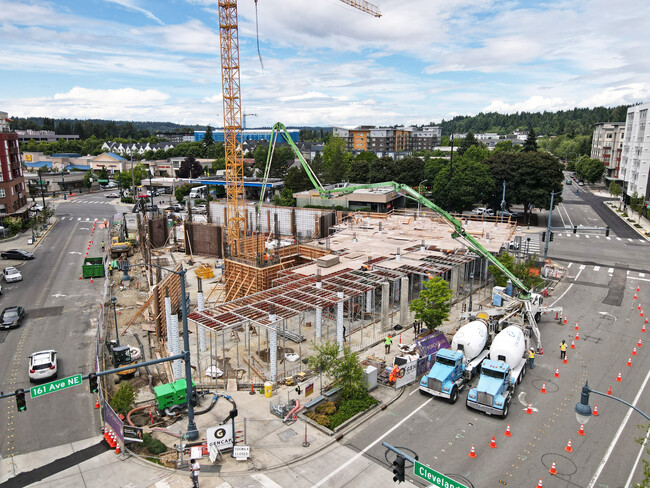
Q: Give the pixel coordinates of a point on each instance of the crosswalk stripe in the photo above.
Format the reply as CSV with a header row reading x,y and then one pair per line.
x,y
78,219
642,275
619,239
609,238
629,239
610,270
568,266
596,268
582,266
597,237
587,236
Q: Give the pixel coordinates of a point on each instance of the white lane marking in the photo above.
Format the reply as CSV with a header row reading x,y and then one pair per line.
x,y
597,237
582,266
559,210
608,238
265,481
565,291
78,219
587,236
610,270
568,266
365,449
596,268
641,275
627,273
638,457
639,279
618,239
592,483
629,240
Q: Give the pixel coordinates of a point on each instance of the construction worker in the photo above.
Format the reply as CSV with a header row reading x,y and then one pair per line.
x,y
392,377
103,246
531,358
387,343
563,349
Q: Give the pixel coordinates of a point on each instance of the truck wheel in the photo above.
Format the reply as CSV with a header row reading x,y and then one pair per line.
x,y
506,410
454,395
538,317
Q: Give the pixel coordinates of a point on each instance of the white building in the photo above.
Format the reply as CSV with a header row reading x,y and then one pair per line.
x,y
607,145
635,163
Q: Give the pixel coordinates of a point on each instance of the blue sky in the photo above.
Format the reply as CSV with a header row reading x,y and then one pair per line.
x,y
324,63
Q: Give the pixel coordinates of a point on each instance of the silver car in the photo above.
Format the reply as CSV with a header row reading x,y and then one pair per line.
x,y
42,365
12,275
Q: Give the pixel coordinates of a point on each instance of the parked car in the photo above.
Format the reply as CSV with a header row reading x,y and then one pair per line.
x,y
113,194
479,210
36,208
43,365
11,274
177,207
200,209
581,183
16,254
12,317
153,193
508,213
569,181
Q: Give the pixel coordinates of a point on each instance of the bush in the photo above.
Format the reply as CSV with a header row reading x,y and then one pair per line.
x,y
14,224
349,408
153,445
638,226
327,408
126,200
122,401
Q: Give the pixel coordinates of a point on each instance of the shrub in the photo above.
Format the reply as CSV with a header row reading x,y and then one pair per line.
x,y
349,408
122,401
153,445
327,408
638,226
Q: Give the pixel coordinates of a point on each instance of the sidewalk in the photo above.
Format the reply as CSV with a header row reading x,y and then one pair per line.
x,y
637,222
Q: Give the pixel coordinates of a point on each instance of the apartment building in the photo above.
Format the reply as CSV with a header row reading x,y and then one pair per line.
x,y
607,145
13,197
388,141
635,160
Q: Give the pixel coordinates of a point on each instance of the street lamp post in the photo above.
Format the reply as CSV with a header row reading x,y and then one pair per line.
x,y
63,186
40,182
583,409
192,432
420,192
117,332
548,227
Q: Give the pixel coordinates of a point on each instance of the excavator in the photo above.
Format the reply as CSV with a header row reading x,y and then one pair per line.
x,y
525,298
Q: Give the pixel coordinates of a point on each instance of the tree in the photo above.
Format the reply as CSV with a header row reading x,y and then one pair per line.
x,y
505,146
123,400
282,160
470,183
589,169
469,141
336,160
103,173
531,141
508,261
645,482
297,180
348,374
323,359
432,305
190,168
208,140
87,176
285,199
615,189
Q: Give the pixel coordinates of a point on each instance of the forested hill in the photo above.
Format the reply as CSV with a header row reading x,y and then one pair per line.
x,y
576,121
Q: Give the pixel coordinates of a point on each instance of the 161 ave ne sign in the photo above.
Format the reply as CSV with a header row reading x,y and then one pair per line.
x,y
52,386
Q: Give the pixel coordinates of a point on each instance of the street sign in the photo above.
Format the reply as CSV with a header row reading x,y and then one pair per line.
x,y
62,384
436,479
241,453
220,436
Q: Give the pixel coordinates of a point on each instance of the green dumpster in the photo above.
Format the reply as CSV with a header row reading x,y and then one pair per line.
x,y
93,268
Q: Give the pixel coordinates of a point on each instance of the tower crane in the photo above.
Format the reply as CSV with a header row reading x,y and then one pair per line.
x,y
232,115
247,115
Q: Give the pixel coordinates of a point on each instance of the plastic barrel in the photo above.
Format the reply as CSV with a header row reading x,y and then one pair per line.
x,y
268,389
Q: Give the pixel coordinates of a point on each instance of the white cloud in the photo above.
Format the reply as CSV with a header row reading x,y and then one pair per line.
x,y
131,5
533,104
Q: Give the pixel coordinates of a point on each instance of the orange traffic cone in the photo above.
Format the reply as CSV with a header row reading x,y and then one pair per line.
x,y
553,471
577,336
638,288
97,403
609,391
582,430
595,412
400,338
634,352
639,344
635,296
576,327
629,362
565,361
493,444
573,344
472,453
91,280
80,277
529,410
565,320
543,390
557,373
618,378
568,447
638,307
117,449
539,485
643,327
646,320
507,432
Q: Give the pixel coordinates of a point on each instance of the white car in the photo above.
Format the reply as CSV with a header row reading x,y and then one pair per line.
x,y
12,275
42,365
200,209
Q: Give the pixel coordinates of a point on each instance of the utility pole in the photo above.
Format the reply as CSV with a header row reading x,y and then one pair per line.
x,y
40,182
548,226
503,200
451,158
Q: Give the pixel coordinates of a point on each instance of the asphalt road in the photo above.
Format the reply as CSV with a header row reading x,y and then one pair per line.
x,y
60,315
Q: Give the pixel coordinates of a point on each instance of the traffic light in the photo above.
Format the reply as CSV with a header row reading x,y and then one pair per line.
x,y
21,405
543,236
607,231
398,469
550,237
93,386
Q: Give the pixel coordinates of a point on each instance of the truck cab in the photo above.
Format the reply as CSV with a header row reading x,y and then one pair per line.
x,y
445,379
493,393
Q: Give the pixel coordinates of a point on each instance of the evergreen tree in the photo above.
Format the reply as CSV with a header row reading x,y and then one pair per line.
x,y
208,140
469,141
531,141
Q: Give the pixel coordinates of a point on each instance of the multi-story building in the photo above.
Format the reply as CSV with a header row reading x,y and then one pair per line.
x,y
425,139
247,135
43,136
635,161
607,145
177,137
388,141
13,197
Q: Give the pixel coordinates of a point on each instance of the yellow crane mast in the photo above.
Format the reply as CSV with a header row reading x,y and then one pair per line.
x,y
232,115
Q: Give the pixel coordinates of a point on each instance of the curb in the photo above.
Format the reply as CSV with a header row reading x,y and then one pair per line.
x,y
624,220
45,233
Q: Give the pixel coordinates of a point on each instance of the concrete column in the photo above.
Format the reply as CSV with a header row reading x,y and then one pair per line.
x,y
168,319
200,305
369,300
319,323
339,320
404,302
455,277
273,356
385,292
176,347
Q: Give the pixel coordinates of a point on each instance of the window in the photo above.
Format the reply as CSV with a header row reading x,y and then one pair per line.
x,y
2,192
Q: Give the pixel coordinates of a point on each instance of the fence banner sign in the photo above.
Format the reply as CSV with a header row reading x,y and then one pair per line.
x,y
112,419
221,437
407,374
428,347
132,433
309,389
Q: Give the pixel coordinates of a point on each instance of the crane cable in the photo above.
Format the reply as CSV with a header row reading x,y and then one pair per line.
x,y
257,33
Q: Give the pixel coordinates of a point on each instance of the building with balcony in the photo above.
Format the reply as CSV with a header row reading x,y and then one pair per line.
x,y
607,146
635,159
13,198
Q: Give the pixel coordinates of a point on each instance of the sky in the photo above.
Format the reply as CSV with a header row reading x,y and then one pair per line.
x,y
323,63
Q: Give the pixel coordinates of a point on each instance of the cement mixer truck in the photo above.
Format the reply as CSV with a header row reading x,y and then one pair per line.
x,y
455,367
501,372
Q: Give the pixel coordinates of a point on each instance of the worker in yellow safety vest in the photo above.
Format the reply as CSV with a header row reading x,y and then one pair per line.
x,y
531,358
563,349
387,343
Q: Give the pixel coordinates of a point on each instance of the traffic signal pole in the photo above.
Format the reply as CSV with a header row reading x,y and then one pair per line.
x,y
548,227
398,464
